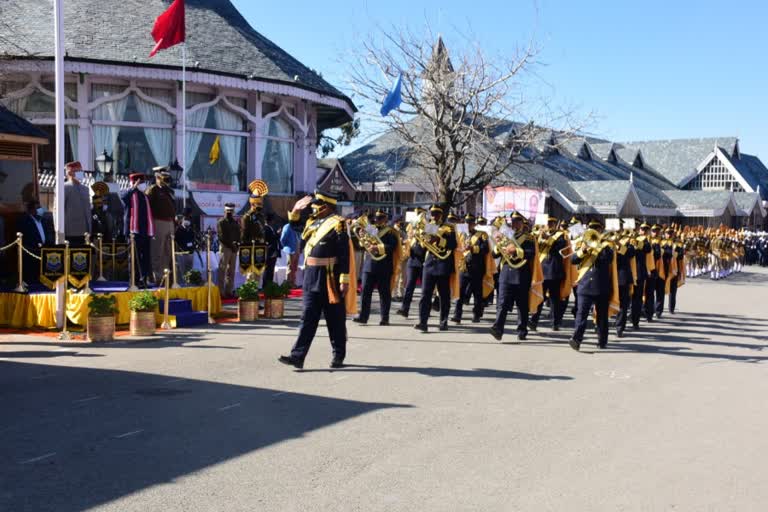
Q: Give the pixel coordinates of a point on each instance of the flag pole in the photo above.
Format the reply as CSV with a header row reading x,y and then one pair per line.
x,y
184,119
58,20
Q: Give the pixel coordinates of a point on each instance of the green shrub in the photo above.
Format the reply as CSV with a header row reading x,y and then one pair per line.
x,y
102,305
248,291
143,302
277,291
193,278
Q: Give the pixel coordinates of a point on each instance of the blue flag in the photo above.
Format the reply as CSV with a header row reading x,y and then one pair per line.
x,y
394,98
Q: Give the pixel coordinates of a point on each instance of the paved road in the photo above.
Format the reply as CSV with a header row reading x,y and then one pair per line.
x,y
672,418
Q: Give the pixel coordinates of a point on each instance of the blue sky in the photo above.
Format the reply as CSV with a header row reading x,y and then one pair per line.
x,y
647,70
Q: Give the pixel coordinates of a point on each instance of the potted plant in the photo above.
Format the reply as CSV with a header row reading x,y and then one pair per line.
x,y
274,299
193,278
143,306
248,301
101,317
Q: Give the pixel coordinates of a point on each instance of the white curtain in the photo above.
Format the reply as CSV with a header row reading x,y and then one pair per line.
x,y
230,145
105,137
72,132
17,106
160,140
277,165
195,119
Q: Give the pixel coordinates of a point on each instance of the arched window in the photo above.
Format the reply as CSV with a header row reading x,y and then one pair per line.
x,y
277,164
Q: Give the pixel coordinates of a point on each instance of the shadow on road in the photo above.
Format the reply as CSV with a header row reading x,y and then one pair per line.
x,y
483,373
75,438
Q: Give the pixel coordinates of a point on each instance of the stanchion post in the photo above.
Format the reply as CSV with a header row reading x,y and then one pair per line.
x,y
166,277
114,259
210,273
101,258
132,270
20,251
65,335
173,258
87,288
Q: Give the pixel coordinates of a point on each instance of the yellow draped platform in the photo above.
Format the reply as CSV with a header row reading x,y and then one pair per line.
x,y
22,311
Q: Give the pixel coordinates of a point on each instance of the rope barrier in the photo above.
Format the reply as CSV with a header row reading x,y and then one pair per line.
x,y
9,245
38,258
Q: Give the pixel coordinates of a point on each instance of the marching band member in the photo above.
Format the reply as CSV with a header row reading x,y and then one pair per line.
x,y
413,268
679,279
438,269
645,266
329,285
594,287
626,268
474,267
552,244
381,266
515,278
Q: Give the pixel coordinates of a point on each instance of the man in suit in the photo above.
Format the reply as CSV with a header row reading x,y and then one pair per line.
x,y
77,204
593,287
139,222
35,232
515,277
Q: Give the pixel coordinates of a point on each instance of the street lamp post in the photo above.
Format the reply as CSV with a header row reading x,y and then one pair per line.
x,y
104,163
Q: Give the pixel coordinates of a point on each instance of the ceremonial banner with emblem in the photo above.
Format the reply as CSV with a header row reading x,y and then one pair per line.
x,y
259,258
52,265
79,266
245,259
252,259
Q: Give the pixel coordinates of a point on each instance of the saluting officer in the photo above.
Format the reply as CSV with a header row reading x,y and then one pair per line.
x,y
328,272
476,247
439,265
551,245
594,283
139,222
515,276
378,270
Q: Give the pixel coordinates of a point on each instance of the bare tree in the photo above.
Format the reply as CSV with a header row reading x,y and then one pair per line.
x,y
462,121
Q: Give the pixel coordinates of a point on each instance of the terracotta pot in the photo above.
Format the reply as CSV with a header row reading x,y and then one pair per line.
x,y
101,328
248,310
274,308
142,323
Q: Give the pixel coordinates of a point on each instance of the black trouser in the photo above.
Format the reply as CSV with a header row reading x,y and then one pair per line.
x,y
143,259
470,285
269,271
601,308
316,303
383,281
428,284
557,306
673,294
661,289
509,296
650,293
412,275
637,300
624,302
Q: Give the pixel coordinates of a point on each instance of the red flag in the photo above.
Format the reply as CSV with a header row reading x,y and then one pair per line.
x,y
169,29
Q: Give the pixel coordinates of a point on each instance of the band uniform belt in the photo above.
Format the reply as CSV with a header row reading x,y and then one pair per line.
x,y
319,262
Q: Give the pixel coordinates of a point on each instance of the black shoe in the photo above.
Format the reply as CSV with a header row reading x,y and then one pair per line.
x,y
421,327
532,326
555,327
384,323
402,313
358,320
337,363
522,336
456,320
658,315
476,320
671,311
575,344
291,361
444,326
602,346
495,333
620,333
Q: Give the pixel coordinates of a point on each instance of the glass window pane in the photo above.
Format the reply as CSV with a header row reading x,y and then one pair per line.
x,y
17,181
278,127
194,98
277,166
46,154
165,95
103,90
224,171
133,151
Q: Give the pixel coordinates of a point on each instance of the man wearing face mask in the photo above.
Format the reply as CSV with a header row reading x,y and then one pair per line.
x,y
35,232
381,261
289,241
185,244
228,231
139,221
77,205
163,203
255,229
101,222
329,278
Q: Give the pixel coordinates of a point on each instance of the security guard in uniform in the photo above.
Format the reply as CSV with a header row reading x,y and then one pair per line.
x,y
551,245
438,267
515,276
378,269
327,276
472,270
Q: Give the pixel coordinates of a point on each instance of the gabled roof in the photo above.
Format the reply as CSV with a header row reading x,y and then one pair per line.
x,y
746,201
219,39
11,124
678,159
702,203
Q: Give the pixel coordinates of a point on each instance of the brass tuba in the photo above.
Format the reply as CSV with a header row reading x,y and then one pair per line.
x,y
502,244
367,241
419,227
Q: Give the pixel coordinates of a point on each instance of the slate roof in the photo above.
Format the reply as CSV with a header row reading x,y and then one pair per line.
x,y
700,199
746,200
12,124
758,171
676,159
602,192
219,39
